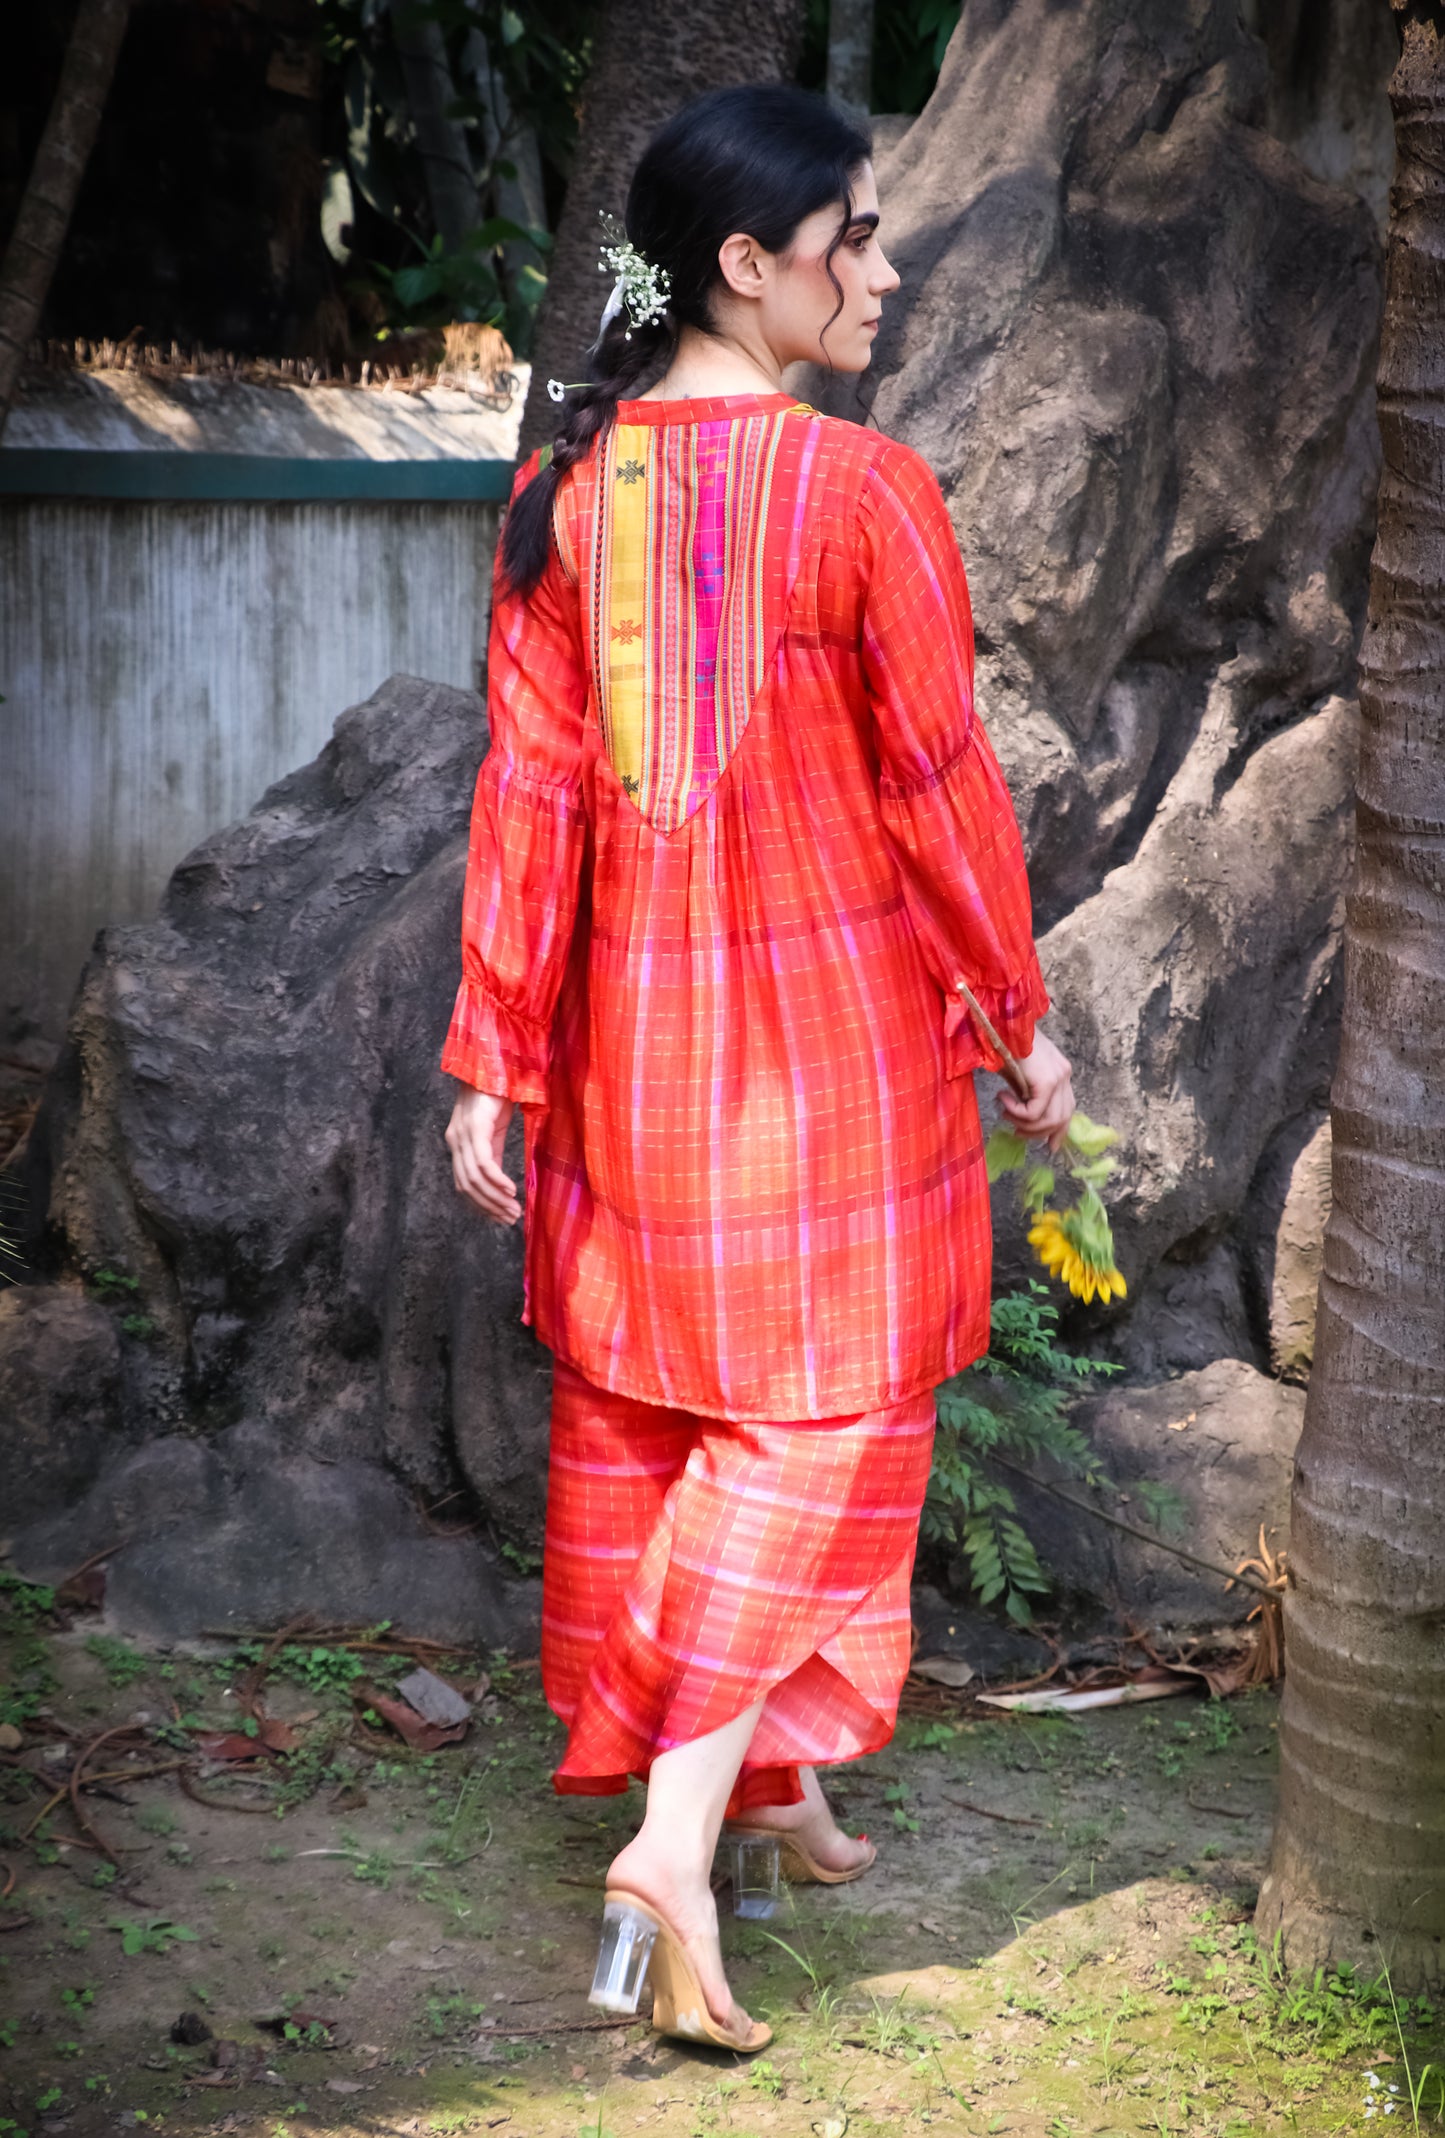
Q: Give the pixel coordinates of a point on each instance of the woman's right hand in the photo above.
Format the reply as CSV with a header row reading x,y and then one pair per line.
x,y
475,1135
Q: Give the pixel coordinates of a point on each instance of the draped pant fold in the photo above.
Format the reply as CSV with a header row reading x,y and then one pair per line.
x,y
695,1564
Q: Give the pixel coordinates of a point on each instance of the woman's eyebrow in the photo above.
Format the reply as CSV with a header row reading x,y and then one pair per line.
x,y
868,220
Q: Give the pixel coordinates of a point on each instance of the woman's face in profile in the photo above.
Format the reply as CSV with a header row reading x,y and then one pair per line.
x,y
798,304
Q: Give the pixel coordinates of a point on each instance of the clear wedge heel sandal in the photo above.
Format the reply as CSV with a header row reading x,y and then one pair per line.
x,y
760,1857
637,1946
754,1861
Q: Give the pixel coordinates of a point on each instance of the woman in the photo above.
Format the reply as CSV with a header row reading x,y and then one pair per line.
x,y
737,838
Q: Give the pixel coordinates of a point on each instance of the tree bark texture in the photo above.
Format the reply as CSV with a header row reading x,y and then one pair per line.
x,y
441,140
1358,1864
60,162
850,54
519,198
647,61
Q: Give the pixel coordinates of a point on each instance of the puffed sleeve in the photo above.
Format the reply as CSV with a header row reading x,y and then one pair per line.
x,y
942,795
528,827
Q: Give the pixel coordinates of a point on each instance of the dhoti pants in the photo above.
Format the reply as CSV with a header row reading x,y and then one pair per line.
x,y
694,1565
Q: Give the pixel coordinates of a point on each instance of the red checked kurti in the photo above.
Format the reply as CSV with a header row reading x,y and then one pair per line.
x,y
738,831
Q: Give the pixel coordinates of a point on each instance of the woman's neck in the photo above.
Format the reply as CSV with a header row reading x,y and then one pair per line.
x,y
706,367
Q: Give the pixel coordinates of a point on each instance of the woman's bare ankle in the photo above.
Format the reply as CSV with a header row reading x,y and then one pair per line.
x,y
677,1884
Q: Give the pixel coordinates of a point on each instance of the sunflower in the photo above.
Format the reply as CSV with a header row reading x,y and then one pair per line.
x,y
1068,1247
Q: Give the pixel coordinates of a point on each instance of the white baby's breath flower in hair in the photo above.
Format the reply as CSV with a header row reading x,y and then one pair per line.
x,y
639,286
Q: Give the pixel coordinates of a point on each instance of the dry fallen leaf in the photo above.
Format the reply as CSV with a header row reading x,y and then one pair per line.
x,y
422,1736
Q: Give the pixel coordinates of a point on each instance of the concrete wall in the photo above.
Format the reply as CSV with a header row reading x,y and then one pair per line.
x,y
162,664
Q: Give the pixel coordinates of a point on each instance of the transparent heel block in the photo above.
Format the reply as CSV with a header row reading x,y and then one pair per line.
x,y
756,1890
622,1958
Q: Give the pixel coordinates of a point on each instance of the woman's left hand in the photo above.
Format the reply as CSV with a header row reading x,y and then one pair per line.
x,y
1050,1107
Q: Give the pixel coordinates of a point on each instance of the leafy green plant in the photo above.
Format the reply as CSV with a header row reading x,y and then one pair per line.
x,y
25,1602
897,1794
910,38
114,1284
157,1934
319,1669
515,69
121,1663
1013,1401
463,284
445,2014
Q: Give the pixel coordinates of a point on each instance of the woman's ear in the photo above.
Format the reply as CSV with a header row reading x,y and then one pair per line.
x,y
741,260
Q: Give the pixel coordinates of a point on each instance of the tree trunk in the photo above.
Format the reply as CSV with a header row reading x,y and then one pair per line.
x,y
646,62
1358,1865
49,198
519,198
850,55
441,140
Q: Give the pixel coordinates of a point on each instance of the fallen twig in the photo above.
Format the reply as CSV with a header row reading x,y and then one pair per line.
x,y
1009,1818
94,1560
1230,1575
134,1774
356,1855
1223,1811
76,1773
340,1637
560,2026
198,1796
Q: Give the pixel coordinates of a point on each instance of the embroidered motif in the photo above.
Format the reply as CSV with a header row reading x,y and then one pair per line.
x,y
693,559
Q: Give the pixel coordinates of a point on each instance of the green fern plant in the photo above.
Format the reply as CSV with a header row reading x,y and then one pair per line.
x,y
1014,1401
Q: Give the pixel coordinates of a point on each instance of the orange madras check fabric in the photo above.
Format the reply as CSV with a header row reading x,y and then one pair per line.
x,y
738,832
693,1565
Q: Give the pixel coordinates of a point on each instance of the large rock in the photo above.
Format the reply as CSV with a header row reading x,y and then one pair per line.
x,y
247,1117
1222,1441
59,1396
241,1532
1136,340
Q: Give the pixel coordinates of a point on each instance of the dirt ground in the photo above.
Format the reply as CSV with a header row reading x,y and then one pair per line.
x,y
1055,1938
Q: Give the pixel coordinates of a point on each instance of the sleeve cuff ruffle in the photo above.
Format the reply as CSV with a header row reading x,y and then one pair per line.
x,y
496,1049
1012,1011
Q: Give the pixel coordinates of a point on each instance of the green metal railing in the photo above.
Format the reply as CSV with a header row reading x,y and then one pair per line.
x,y
224,478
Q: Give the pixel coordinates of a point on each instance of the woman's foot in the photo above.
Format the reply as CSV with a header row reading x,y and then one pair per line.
x,y
676,1886
812,1824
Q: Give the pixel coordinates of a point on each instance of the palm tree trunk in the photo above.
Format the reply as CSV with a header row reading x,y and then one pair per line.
x,y
49,198
646,62
1358,1866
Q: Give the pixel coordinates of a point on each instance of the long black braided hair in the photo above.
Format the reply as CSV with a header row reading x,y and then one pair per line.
x,y
758,159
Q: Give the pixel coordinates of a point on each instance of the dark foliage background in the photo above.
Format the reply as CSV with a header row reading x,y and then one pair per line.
x,y
256,184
